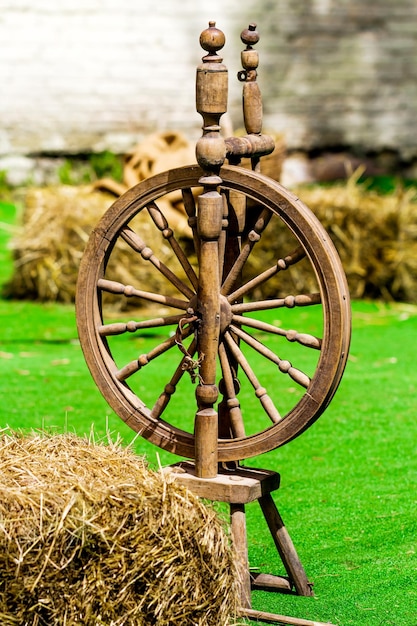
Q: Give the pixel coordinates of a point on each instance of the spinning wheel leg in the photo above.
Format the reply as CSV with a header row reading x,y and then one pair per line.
x,y
296,575
285,546
238,527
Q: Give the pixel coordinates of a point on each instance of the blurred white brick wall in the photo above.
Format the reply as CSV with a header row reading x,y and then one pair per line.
x,y
81,75
90,74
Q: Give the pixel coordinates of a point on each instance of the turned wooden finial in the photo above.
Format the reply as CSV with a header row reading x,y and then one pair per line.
x,y
250,35
252,101
249,56
212,39
211,100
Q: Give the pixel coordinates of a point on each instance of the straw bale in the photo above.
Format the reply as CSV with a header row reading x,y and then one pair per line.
x,y
58,220
375,235
90,535
57,223
47,251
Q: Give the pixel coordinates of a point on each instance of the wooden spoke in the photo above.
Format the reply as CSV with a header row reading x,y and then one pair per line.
x,y
190,209
253,237
134,366
282,264
305,339
144,359
260,391
284,366
119,328
220,361
169,389
278,303
232,403
137,244
161,223
112,286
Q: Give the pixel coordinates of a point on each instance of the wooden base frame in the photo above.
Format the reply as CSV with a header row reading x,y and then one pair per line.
x,y
238,487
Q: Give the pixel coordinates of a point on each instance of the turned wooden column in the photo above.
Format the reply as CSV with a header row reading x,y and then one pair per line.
x,y
211,103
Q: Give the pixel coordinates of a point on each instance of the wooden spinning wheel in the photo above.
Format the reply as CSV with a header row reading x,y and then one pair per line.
x,y
263,205
218,306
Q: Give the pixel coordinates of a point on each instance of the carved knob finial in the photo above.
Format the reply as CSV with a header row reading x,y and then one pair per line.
x,y
252,101
250,35
212,39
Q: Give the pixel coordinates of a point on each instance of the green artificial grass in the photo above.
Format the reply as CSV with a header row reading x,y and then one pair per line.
x,y
348,484
8,213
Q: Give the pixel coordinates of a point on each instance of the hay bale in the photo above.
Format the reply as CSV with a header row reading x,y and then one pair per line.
x,y
47,250
375,235
89,535
57,223
58,220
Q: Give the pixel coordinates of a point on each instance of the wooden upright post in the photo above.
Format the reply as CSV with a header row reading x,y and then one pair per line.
x,y
211,103
251,98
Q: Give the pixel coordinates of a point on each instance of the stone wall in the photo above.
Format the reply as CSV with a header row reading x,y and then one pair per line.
x,y
343,73
88,75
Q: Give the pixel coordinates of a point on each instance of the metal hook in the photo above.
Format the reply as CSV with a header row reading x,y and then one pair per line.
x,y
189,364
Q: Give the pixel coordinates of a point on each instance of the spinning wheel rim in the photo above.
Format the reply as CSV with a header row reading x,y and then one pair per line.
x,y
335,302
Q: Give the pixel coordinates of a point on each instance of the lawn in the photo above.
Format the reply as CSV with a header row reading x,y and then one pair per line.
x,y
348,484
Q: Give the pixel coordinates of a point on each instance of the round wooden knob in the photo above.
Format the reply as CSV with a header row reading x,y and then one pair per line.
x,y
212,39
250,35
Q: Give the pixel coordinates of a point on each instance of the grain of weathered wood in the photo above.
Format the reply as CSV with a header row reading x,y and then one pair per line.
x,y
206,434
270,582
240,486
238,527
